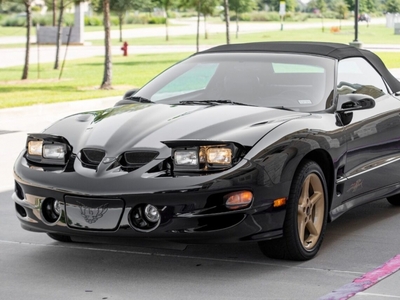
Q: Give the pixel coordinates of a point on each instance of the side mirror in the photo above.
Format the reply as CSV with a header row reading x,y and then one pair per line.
x,y
125,99
351,102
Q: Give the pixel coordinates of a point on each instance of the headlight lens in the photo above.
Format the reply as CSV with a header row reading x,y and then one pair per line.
x,y
221,156
54,151
186,157
35,148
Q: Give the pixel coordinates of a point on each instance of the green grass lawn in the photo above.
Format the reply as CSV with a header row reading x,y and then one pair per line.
x,y
81,78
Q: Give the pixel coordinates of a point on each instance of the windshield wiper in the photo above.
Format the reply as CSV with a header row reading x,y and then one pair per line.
x,y
211,102
139,99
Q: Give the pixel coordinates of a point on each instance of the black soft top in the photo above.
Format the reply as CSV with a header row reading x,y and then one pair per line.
x,y
334,50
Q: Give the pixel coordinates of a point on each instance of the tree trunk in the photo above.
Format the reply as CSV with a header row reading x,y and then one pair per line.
x,y
54,13
198,27
166,24
237,25
205,28
121,19
226,12
107,78
59,35
28,38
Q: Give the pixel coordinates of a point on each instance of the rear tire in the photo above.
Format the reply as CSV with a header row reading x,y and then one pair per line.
x,y
60,237
306,216
394,200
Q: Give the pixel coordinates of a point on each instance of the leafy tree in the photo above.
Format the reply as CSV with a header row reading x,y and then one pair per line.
x,y
342,10
166,5
121,7
107,77
62,6
241,6
321,5
392,6
203,7
291,5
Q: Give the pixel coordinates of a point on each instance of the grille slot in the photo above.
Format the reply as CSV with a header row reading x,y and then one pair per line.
x,y
91,158
136,159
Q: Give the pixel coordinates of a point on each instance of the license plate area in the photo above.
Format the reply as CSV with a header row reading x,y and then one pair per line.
x,y
93,213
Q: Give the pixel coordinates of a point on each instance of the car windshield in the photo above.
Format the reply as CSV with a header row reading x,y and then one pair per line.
x,y
287,81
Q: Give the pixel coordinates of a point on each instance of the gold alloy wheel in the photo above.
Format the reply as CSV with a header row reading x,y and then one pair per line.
x,y
311,209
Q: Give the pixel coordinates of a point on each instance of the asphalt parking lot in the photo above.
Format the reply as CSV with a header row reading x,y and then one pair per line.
x,y
360,249
358,259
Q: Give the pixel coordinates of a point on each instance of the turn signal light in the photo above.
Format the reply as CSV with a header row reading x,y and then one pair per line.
x,y
279,202
237,200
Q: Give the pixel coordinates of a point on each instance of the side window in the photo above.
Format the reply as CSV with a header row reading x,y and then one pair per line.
x,y
356,75
184,83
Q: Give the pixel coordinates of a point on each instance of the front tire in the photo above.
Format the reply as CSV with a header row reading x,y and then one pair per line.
x,y
306,216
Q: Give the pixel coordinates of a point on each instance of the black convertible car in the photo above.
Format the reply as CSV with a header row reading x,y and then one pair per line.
x,y
259,142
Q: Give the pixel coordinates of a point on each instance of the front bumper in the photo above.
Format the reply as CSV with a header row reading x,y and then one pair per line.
x,y
191,208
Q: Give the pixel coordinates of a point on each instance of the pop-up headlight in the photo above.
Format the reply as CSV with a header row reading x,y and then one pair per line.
x,y
47,149
186,157
204,155
219,155
54,151
35,148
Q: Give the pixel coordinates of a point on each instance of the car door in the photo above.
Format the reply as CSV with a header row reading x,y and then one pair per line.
x,y
373,136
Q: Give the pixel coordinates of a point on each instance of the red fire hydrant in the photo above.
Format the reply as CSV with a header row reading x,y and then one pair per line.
x,y
124,48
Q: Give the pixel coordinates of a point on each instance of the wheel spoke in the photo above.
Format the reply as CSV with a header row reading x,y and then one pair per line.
x,y
305,190
312,229
302,230
316,197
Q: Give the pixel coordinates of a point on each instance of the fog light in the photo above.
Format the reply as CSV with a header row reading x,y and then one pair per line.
x,y
56,207
237,200
51,209
144,218
151,213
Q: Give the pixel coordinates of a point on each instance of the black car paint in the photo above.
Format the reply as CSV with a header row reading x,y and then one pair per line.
x,y
192,208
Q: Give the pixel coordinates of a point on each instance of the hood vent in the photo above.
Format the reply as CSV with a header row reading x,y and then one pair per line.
x,y
91,158
133,160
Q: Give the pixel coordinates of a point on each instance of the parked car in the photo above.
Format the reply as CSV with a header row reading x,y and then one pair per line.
x,y
259,142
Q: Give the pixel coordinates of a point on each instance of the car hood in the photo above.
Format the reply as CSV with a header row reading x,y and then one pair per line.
x,y
145,126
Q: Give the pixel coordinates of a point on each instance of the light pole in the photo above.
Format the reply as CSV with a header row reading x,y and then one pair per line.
x,y
356,43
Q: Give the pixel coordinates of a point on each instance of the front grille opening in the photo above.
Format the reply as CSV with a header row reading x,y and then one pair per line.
x,y
18,191
20,210
133,160
91,158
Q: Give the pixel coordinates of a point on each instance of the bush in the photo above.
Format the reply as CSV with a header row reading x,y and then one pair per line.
x,y
93,21
157,20
37,19
134,19
296,17
15,21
